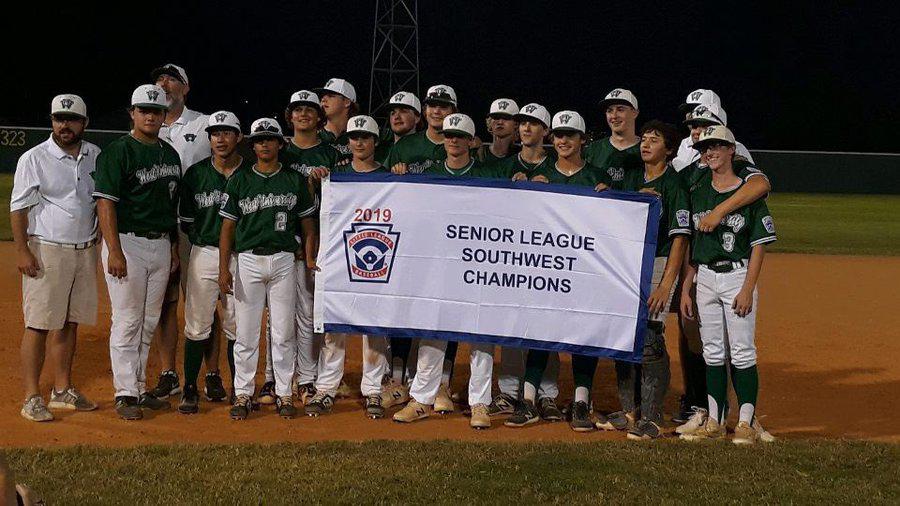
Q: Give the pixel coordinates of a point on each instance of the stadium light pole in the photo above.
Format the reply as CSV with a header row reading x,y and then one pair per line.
x,y
395,52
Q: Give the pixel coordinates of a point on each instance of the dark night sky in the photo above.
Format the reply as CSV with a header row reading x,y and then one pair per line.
x,y
794,75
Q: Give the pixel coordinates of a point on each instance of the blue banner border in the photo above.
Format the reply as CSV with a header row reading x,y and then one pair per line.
x,y
649,255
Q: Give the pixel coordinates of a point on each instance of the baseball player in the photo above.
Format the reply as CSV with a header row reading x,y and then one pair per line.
x,y
404,117
363,135
697,120
458,132
621,150
202,187
55,229
502,126
261,208
727,262
136,190
659,142
184,129
533,128
568,134
338,105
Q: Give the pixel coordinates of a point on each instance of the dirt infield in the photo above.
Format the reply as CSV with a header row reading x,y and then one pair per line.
x,y
827,340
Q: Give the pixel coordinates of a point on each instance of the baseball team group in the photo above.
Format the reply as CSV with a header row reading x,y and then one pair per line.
x,y
184,207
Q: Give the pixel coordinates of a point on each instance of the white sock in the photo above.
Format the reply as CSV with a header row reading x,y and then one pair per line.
x,y
397,370
582,394
747,411
713,408
529,392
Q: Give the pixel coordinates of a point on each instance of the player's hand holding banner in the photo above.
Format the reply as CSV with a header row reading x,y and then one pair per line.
x,y
520,264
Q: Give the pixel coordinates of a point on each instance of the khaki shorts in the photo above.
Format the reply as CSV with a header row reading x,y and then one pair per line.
x,y
65,289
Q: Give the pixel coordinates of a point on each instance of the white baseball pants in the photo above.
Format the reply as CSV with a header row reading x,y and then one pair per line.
x,y
262,279
332,359
481,370
136,302
201,293
715,294
429,366
308,343
512,373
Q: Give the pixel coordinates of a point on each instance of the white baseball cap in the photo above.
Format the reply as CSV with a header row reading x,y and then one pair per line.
x,y
534,111
567,121
305,97
405,99
149,95
714,133
458,123
170,69
339,86
619,96
362,124
223,119
504,107
711,114
68,104
441,94
265,127
697,97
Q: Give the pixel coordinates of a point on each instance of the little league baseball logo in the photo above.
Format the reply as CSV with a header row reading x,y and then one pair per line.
x,y
370,249
190,137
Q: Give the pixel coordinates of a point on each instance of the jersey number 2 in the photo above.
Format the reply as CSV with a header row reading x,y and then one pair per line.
x,y
280,221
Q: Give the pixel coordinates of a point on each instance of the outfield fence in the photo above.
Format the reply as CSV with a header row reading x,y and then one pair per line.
x,y
789,171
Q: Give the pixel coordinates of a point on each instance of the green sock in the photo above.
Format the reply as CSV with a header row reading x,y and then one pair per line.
x,y
583,368
746,386
535,365
717,390
230,354
193,360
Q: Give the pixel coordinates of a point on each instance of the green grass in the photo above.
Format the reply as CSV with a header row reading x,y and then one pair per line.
x,y
453,472
806,223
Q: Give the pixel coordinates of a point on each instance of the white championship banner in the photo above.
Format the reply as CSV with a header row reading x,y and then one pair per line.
x,y
532,265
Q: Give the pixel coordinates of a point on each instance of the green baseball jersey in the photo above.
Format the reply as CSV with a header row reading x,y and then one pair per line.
x,y
612,160
202,187
509,166
695,173
675,215
142,179
340,142
347,168
417,151
587,176
473,169
304,160
484,155
267,208
733,239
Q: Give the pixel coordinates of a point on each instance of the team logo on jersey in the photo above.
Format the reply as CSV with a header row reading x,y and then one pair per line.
x,y
564,119
359,122
735,221
152,95
190,137
67,103
502,105
454,121
399,97
615,93
221,117
695,96
530,108
370,250
769,224
683,216
616,173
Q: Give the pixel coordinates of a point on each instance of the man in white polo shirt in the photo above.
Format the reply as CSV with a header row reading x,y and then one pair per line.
x,y
54,227
185,130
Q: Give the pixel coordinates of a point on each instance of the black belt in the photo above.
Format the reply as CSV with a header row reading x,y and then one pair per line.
x,y
726,266
265,251
150,235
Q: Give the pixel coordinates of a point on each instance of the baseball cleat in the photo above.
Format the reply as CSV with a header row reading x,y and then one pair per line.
x,y
215,390
412,412
503,404
127,408
167,385
443,404
320,404
190,401
480,418
374,408
618,420
240,410
685,410
70,399
580,417
548,409
394,394
35,410
267,393
147,401
644,430
525,414
711,430
764,435
305,392
285,407
694,422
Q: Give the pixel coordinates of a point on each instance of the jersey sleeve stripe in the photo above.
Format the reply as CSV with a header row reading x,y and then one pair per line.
x,y
106,196
764,240
185,219
228,216
748,176
679,231
307,212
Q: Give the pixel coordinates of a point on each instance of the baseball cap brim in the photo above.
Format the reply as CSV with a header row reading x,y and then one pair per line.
x,y
566,129
688,107
403,106
68,113
701,145
501,115
455,131
298,103
221,127
615,101
169,71
701,121
440,100
151,105
527,117
325,91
